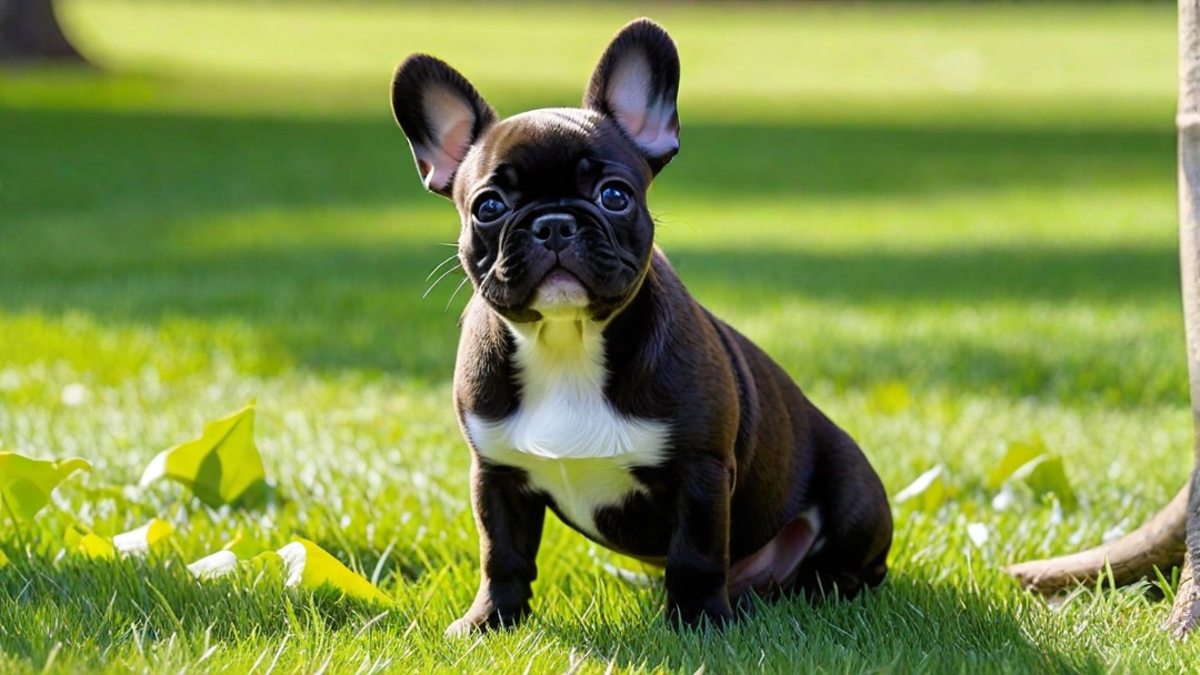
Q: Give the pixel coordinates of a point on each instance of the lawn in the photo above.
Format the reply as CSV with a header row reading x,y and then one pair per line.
x,y
954,225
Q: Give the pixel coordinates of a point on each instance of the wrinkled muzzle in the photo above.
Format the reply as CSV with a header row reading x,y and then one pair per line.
x,y
571,235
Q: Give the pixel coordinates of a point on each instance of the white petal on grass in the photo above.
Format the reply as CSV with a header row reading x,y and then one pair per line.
x,y
154,470
978,532
215,565
920,484
1003,499
73,394
294,556
629,576
139,541
928,492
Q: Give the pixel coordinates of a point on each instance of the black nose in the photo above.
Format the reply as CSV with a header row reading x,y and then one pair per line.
x,y
555,230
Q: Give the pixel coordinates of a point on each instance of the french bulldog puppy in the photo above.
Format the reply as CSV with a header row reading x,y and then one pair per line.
x,y
590,382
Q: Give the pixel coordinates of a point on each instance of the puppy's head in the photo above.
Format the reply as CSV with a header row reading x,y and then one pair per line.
x,y
553,202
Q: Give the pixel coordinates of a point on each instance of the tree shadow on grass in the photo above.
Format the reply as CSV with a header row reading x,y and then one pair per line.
x,y
906,626
857,160
966,276
71,160
106,214
360,308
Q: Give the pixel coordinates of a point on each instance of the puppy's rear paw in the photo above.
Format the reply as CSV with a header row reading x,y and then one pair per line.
x,y
716,612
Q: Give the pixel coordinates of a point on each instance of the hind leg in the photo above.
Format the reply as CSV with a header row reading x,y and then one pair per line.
x,y
851,551
820,577
841,542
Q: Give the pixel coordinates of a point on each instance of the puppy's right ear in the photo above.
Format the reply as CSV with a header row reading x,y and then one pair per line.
x,y
441,114
636,84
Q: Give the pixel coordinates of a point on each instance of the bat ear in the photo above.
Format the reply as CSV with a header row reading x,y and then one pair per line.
x,y
636,84
442,115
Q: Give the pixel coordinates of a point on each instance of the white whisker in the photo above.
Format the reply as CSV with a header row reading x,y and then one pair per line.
x,y
439,266
460,285
439,280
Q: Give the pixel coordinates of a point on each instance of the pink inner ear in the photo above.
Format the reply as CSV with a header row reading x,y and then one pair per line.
x,y
653,127
451,121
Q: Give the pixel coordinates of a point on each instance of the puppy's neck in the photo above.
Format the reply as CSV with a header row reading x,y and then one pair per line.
x,y
559,351
566,347
568,337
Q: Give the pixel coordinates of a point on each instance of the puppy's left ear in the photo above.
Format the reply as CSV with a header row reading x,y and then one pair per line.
x,y
636,84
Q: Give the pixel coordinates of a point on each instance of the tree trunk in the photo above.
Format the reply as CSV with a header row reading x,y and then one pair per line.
x,y
1187,601
1172,537
30,33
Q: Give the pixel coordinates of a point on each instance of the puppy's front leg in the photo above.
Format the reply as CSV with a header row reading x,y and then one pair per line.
x,y
509,520
698,558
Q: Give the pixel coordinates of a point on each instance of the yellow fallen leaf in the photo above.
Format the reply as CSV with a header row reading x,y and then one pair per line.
x,y
310,566
1044,475
223,466
82,540
144,538
1016,455
3,560
268,565
26,484
244,546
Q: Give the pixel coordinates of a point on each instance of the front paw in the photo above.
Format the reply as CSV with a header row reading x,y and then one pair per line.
x,y
479,620
715,611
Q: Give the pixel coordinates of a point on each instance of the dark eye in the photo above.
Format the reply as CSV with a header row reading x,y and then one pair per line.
x,y
489,208
614,198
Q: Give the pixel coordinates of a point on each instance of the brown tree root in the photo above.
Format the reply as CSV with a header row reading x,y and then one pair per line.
x,y
1158,544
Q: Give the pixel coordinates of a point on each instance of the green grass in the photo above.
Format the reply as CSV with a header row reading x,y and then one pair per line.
x,y
954,225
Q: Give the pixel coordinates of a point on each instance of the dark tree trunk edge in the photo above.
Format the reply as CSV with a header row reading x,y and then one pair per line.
x,y
30,33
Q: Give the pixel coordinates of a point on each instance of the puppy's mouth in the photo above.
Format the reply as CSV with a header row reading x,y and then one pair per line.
x,y
560,294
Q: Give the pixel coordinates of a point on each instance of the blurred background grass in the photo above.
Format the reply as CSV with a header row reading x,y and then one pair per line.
x,y
954,224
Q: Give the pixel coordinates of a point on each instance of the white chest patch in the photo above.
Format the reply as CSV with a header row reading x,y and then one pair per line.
x,y
565,435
